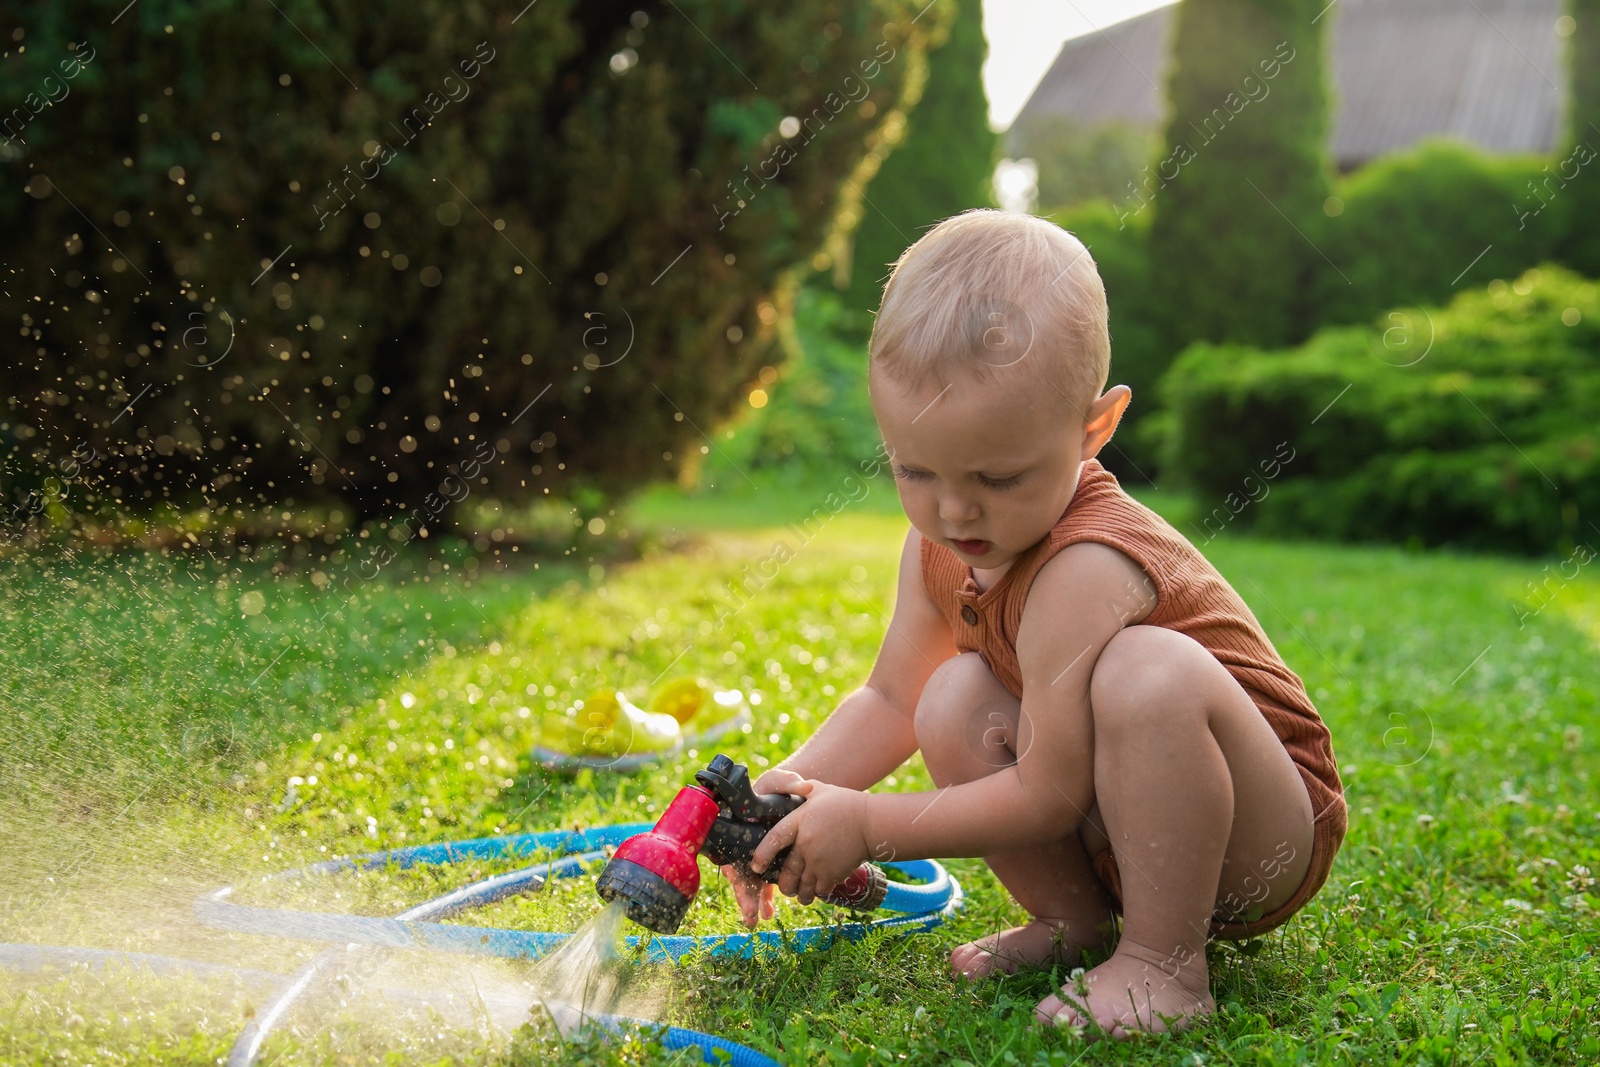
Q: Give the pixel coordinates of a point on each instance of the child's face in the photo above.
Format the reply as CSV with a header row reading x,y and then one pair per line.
x,y
984,469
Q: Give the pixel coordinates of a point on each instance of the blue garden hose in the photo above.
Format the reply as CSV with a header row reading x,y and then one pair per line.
x,y
41,958
928,905
923,907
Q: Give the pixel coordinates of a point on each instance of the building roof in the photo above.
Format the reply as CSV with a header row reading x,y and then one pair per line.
x,y
1491,72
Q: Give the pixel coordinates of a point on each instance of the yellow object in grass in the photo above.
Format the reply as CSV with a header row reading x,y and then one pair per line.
x,y
609,724
681,698
609,732
706,713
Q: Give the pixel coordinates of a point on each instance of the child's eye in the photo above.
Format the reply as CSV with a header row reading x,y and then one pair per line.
x,y
983,479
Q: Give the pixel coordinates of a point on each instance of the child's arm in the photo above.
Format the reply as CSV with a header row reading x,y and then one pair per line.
x,y
1077,603
870,733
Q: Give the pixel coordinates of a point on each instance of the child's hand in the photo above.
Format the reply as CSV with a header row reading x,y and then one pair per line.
x,y
754,895
828,833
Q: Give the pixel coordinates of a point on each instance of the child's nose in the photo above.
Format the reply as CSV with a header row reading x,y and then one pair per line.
x,y
957,510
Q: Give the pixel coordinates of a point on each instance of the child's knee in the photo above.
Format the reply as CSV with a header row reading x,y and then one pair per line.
x,y
965,714
1146,675
934,715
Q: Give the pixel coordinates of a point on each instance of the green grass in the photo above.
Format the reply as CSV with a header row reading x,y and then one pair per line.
x,y
153,729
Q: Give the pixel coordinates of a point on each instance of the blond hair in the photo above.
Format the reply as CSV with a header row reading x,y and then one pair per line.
x,y
991,295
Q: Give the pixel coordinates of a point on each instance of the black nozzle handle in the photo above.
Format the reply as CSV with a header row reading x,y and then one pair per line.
x,y
745,818
729,782
733,842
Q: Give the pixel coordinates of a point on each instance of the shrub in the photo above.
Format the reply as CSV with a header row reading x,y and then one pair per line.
x,y
1411,224
1472,426
469,216
1247,168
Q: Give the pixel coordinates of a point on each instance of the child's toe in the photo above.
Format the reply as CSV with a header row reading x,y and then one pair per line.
x,y
974,960
966,962
1054,1011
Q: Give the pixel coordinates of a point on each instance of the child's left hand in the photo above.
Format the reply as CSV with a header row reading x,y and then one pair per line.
x,y
828,833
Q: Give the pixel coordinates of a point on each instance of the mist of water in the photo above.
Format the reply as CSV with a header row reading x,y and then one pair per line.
x,y
585,979
581,979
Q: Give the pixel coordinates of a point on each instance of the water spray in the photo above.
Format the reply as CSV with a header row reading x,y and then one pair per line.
x,y
654,872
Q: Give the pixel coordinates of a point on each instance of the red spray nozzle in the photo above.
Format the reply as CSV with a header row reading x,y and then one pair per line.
x,y
658,873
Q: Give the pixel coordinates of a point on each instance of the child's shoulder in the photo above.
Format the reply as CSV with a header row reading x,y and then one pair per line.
x,y
1102,508
1104,515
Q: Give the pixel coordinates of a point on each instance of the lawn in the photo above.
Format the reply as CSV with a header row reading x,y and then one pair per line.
x,y
166,717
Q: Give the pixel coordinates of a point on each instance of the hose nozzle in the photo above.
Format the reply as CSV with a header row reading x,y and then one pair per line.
x,y
657,875
656,872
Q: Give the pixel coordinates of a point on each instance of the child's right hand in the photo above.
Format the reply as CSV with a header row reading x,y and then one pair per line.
x,y
753,894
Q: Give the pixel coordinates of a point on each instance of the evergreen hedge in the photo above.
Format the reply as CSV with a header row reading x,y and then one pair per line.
x,y
1582,246
941,166
1472,425
1120,248
1418,226
1408,229
1238,199
318,250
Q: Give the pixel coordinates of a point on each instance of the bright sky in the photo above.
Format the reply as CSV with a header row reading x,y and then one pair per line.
x,y
1025,35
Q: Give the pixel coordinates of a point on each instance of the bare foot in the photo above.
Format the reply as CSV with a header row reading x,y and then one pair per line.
x,y
1137,989
1035,944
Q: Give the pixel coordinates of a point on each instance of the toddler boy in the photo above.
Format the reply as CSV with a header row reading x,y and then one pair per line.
x,y
1107,723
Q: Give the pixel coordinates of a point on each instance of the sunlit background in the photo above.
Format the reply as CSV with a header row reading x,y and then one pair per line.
x,y
435,421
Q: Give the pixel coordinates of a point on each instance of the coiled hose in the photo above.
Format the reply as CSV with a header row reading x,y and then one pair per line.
x,y
923,907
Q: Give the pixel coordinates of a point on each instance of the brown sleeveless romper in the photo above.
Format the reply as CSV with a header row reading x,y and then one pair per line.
x,y
1193,599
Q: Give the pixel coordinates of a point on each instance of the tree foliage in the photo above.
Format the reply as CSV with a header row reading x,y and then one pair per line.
x,y
941,166
1238,196
258,252
1583,129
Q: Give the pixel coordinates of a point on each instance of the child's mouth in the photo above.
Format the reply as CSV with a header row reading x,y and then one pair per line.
x,y
972,548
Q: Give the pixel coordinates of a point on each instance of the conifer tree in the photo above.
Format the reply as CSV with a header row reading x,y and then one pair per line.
x,y
1240,191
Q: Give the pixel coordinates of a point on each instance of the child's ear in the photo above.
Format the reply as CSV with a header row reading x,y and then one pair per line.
x,y
1103,416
